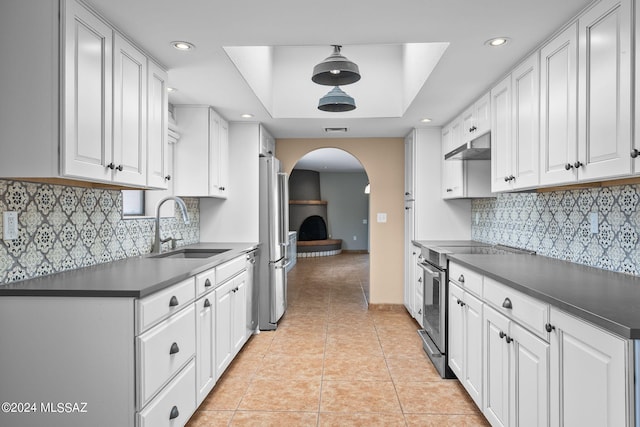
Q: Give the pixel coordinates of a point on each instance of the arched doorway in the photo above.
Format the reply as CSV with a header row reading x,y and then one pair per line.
x,y
329,207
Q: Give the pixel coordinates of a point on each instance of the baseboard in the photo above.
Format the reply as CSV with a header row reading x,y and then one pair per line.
x,y
387,307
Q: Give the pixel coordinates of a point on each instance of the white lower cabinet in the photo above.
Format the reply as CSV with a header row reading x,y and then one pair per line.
x,y
590,375
531,364
516,373
230,323
205,347
465,340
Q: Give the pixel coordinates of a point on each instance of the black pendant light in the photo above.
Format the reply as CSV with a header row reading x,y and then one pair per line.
x,y
336,70
336,101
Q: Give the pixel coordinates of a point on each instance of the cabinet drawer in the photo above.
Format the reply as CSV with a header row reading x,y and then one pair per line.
x,y
163,350
179,394
205,282
468,279
528,311
230,268
162,304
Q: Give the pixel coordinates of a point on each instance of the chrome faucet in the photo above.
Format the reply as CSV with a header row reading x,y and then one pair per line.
x,y
157,244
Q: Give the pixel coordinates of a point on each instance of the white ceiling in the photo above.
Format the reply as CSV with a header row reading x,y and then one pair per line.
x,y
207,75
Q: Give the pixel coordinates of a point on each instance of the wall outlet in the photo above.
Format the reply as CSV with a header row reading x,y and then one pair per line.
x,y
364,221
593,222
10,225
355,237
382,217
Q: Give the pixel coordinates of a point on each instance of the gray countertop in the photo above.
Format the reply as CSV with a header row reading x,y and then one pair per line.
x,y
129,277
608,299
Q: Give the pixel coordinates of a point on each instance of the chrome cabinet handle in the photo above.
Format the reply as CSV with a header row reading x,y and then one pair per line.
x,y
173,302
174,413
174,348
507,304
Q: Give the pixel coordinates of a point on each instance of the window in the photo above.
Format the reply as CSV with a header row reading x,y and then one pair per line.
x,y
133,202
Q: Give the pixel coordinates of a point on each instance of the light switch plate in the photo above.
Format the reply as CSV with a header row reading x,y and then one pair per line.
x,y
382,217
10,225
593,222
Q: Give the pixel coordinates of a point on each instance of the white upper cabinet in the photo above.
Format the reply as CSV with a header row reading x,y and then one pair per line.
x,y
604,91
558,107
201,158
501,167
158,156
88,67
409,166
129,158
525,123
476,120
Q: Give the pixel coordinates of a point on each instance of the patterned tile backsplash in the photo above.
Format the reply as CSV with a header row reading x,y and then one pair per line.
x,y
558,225
62,228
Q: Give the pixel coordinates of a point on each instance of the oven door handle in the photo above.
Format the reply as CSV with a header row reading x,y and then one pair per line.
x,y
429,271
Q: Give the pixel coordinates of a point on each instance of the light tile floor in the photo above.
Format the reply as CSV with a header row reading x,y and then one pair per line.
x,y
333,362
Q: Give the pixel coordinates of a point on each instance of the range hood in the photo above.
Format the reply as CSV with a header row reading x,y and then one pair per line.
x,y
476,149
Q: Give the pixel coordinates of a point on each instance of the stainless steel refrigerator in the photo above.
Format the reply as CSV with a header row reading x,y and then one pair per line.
x,y
274,230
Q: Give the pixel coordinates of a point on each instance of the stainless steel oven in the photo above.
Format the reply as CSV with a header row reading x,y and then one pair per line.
x,y
434,334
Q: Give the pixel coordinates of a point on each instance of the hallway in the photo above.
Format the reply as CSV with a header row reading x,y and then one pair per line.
x,y
332,362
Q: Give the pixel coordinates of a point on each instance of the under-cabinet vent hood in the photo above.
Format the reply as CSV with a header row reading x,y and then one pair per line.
x,y
476,149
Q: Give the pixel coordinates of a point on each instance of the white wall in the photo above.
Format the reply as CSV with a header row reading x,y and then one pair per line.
x,y
236,218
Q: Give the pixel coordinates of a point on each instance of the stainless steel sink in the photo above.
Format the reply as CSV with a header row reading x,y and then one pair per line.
x,y
191,253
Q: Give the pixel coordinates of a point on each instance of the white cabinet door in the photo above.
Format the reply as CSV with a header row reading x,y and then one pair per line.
x,y
529,379
419,290
589,373
158,165
472,379
129,161
410,260
468,121
604,76
455,332
205,347
191,155
239,313
525,123
497,357
218,155
88,80
223,314
482,112
409,165
558,108
501,171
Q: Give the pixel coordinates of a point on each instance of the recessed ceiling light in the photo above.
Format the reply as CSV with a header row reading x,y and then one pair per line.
x,y
171,89
426,120
246,116
497,41
182,45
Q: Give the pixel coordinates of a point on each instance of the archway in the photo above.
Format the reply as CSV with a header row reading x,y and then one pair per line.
x,y
383,161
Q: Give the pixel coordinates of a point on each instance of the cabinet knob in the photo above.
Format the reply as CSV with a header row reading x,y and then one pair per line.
x,y
119,168
174,413
461,278
174,348
407,208
507,304
549,327
473,129
634,153
207,303
502,334
419,279
462,303
420,311
111,166
568,166
207,283
508,339
173,301
407,193
167,178
506,179
512,178
449,190
578,164
221,188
